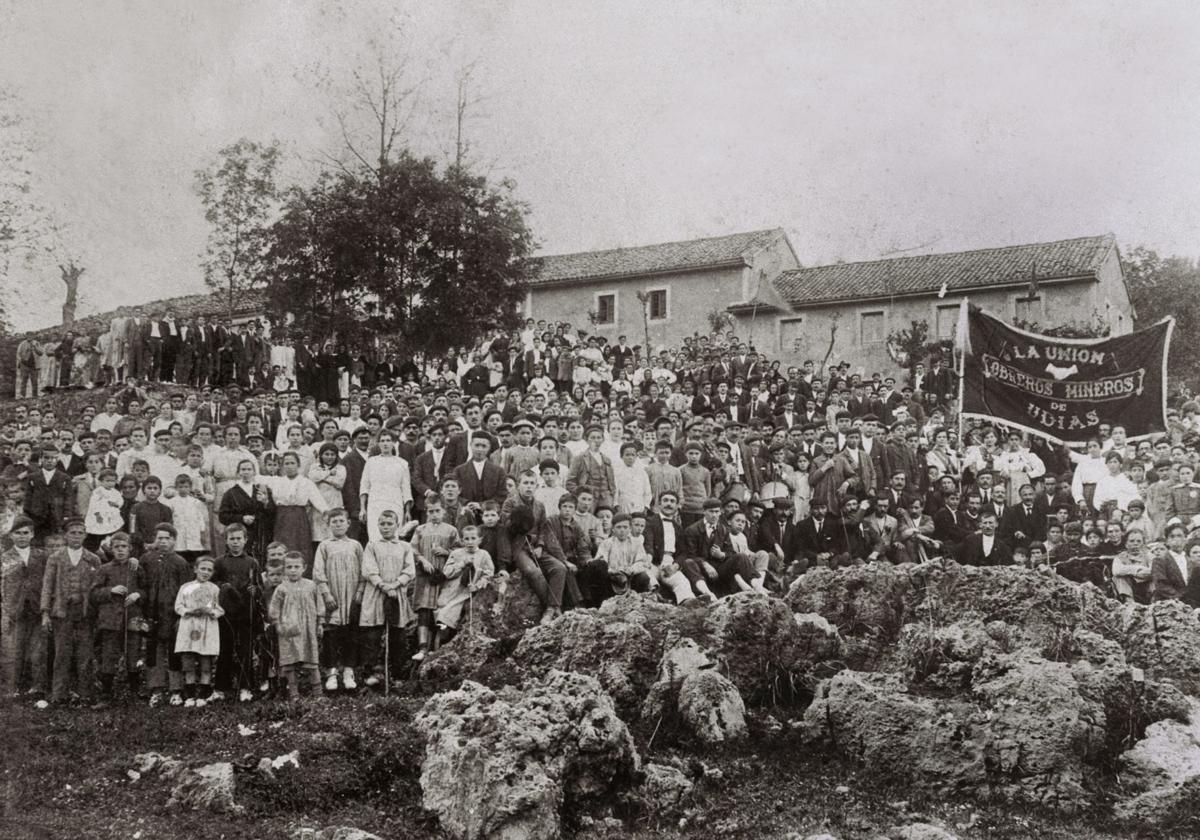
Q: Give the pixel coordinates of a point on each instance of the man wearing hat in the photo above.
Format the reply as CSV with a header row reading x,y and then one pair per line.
x,y
818,539
707,550
778,535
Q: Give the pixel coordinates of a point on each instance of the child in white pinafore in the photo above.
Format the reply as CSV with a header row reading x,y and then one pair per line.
x,y
198,640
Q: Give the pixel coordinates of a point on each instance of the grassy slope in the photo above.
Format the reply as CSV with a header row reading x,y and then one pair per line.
x,y
64,776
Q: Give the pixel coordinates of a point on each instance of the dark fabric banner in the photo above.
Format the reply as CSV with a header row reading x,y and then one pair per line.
x,y
1064,388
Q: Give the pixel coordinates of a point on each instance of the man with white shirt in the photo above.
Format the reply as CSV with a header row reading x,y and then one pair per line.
x,y
429,468
1089,470
1174,575
170,347
985,548
22,637
154,347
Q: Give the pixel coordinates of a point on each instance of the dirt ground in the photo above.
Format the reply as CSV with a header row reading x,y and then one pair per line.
x,y
64,775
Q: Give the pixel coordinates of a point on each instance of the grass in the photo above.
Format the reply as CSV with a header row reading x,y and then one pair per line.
x,y
63,774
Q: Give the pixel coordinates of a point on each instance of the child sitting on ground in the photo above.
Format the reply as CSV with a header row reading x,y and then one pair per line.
x,y
468,570
198,640
296,611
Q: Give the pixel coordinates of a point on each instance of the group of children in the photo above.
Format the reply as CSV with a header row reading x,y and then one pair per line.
x,y
189,630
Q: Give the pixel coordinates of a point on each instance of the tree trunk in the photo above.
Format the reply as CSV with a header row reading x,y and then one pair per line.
x,y
70,276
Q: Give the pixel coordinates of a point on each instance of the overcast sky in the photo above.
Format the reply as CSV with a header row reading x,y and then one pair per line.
x,y
862,128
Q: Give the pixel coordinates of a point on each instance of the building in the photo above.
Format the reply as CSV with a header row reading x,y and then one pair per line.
x,y
1049,283
683,283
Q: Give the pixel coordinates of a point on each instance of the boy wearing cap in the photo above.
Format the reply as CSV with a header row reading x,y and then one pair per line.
x,y
695,484
593,469
71,573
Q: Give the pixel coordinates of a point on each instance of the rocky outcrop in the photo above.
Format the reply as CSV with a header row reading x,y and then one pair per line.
x,y
662,791
682,658
503,765
334,832
1164,640
466,655
620,654
710,705
506,609
207,788
1162,771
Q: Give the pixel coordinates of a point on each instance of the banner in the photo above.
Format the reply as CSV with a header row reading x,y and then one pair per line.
x,y
1063,388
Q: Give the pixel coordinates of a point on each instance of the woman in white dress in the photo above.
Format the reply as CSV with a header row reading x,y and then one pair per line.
x,y
386,485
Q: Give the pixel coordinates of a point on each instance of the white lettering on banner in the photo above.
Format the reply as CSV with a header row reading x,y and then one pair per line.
x,y
1057,353
1062,422
1095,390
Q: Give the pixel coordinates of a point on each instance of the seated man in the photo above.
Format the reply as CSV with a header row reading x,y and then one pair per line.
x,y
708,556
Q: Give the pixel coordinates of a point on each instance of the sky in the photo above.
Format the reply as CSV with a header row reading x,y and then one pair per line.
x,y
864,129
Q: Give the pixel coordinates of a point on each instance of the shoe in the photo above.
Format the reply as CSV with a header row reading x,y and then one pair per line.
x,y
549,615
265,687
189,703
201,702
331,682
419,656
348,681
156,699
176,699
216,696
245,695
372,681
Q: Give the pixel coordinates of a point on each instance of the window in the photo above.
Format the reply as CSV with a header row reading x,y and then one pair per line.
x,y
606,308
1027,310
872,331
791,337
659,304
947,320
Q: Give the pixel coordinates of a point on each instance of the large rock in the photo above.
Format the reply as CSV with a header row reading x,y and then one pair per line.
x,y
208,788
662,790
922,831
865,603
502,765
711,707
758,644
682,658
465,656
1040,730
1162,771
505,609
620,654
873,719
1164,640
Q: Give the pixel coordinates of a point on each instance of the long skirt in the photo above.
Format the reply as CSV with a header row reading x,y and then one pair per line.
x,y
293,529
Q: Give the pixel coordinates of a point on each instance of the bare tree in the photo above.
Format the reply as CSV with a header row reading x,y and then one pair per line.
x,y
70,273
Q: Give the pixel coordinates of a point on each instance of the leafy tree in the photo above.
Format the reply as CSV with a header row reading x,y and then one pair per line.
x,y
239,193
434,257
912,344
1168,286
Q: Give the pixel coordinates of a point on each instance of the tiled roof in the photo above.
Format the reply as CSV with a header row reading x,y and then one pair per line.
x,y
958,271
650,259
187,306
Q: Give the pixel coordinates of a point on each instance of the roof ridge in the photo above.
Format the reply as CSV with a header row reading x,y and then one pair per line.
x,y
691,241
1102,236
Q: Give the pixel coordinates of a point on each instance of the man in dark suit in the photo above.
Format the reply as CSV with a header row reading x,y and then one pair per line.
x,y
1174,575
818,538
202,338
479,478
663,538
430,468
47,495
215,411
475,380
152,337
898,497
778,535
985,548
942,383
949,524
169,328
707,554
355,461
459,445
620,354
1022,524
185,353
1052,497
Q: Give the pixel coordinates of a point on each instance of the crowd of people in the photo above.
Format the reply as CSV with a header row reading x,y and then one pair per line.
x,y
285,516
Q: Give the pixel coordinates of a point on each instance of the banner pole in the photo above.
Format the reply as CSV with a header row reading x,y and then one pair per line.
x,y
960,343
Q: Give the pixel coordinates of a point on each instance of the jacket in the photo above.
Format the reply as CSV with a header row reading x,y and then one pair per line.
x,y
1168,583
111,612
970,553
21,584
598,477
54,594
475,489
